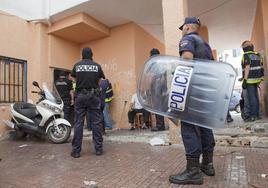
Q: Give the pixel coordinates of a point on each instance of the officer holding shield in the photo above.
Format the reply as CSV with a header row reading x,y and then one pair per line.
x,y
196,140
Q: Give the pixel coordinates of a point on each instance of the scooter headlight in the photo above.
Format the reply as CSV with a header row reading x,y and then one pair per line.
x,y
53,108
57,110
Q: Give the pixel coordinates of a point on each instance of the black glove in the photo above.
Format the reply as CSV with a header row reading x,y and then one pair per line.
x,y
244,84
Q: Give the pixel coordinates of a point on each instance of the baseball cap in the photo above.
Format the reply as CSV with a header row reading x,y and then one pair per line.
x,y
190,20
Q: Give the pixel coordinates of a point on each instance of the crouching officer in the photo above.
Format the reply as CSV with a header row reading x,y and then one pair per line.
x,y
87,74
196,140
64,87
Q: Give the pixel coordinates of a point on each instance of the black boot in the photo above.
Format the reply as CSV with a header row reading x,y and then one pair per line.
x,y
192,174
207,164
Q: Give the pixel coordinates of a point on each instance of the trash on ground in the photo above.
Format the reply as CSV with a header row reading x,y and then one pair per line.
x,y
239,157
24,145
90,183
263,175
49,157
156,141
152,170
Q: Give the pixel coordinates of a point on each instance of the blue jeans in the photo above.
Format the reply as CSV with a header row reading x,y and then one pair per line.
x,y
246,104
106,114
253,100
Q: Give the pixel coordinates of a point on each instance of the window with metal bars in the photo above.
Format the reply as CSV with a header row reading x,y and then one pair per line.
x,y
13,80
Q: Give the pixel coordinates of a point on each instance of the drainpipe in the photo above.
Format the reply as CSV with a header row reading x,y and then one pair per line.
x,y
48,13
46,18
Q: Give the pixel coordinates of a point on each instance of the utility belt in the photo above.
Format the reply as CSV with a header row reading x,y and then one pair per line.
x,y
66,98
91,91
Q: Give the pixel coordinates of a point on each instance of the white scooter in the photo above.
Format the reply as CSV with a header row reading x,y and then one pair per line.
x,y
44,118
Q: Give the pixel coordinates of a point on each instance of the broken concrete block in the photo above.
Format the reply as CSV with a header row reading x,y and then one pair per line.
x,y
241,142
230,141
258,129
259,142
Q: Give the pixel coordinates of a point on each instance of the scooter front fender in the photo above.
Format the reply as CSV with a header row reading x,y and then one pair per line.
x,y
57,122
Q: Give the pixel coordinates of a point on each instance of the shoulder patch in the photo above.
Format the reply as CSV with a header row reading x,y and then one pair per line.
x,y
184,43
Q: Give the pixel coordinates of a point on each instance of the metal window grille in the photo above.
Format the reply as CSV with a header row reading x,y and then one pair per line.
x,y
13,79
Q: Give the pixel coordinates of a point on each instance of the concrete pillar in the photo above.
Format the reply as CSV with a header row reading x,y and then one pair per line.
x,y
174,12
259,38
264,5
203,32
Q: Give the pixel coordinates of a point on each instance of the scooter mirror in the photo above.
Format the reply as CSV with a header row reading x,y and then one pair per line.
x,y
35,83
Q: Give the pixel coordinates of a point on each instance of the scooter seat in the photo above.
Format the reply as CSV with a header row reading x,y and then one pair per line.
x,y
26,109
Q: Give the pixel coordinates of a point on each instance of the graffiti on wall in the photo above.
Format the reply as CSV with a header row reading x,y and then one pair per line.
x,y
109,66
123,79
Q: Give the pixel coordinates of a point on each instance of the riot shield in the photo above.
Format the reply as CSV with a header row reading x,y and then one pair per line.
x,y
194,91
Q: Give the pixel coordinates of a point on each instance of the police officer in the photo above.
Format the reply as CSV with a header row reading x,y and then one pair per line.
x,y
107,90
196,140
252,77
64,87
87,74
160,121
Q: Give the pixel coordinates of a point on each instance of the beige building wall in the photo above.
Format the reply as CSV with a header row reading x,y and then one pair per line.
x,y
144,43
62,53
203,32
28,41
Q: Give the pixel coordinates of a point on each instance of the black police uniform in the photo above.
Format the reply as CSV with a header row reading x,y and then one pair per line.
x,y
87,74
64,87
196,139
160,121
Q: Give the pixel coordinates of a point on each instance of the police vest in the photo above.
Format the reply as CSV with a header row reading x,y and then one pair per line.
x,y
109,93
256,70
74,85
63,87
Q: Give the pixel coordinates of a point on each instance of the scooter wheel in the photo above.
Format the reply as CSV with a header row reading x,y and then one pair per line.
x,y
60,135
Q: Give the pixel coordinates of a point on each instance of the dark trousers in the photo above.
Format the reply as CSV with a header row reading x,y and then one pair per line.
x,y
196,140
89,120
66,108
229,115
160,121
87,103
253,100
132,113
